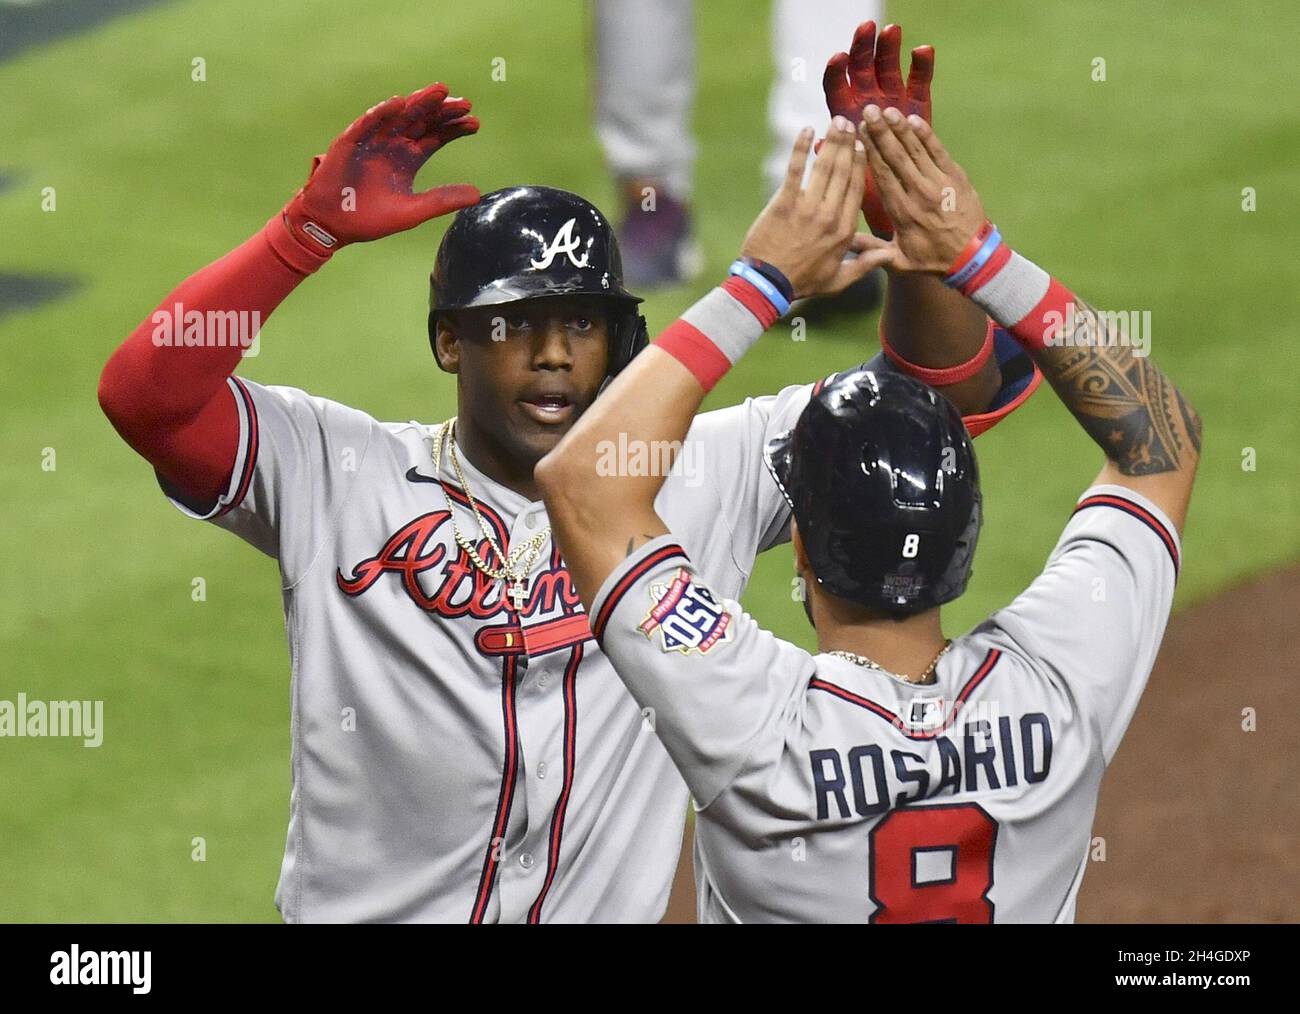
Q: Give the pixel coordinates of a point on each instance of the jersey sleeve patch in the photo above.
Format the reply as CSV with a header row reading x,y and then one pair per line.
x,y
685,616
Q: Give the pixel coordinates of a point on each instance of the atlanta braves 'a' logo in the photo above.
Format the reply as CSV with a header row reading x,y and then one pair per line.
x,y
565,242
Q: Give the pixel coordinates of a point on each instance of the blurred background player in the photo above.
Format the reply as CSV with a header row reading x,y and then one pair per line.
x,y
645,87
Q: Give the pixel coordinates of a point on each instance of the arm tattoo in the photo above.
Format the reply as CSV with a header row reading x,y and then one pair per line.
x,y
631,543
1133,412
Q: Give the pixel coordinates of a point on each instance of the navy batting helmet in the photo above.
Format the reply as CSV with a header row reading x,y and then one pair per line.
x,y
880,474
531,242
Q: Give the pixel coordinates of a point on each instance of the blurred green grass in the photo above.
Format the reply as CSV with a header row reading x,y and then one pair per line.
x,y
1128,189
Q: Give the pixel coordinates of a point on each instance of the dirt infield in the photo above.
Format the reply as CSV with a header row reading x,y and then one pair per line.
x,y
1200,818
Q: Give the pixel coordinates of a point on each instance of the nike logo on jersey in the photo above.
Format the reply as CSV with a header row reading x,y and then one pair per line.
x,y
412,475
565,242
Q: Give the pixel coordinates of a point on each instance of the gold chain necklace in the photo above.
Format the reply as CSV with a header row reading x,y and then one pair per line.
x,y
866,663
516,567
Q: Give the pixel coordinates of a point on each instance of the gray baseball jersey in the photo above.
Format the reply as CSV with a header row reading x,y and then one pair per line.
x,y
829,792
453,759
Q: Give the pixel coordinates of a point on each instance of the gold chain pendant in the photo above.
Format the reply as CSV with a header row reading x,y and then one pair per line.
x,y
516,566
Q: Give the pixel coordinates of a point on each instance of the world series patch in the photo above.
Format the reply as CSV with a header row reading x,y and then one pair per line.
x,y
687,616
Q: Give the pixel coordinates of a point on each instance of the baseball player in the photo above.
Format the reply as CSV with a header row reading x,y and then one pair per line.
x,y
895,776
461,749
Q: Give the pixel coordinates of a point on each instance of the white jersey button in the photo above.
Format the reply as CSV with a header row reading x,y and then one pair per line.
x,y
541,769
526,860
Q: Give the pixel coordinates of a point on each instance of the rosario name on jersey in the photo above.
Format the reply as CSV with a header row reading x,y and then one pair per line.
x,y
830,792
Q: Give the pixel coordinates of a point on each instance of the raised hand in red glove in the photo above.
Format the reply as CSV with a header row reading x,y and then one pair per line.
x,y
870,73
360,189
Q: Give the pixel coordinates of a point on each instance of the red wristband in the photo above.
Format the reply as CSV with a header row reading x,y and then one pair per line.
x,y
753,300
692,348
289,250
946,375
996,262
1048,321
971,248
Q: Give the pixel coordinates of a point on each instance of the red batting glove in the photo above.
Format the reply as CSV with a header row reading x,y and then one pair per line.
x,y
360,189
870,72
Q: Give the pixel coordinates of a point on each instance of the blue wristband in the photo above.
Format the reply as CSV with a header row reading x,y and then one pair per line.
x,y
764,285
773,274
991,243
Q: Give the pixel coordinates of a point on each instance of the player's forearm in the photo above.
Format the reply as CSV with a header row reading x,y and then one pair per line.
x,y
1136,415
926,324
1139,418
1146,427
164,388
600,511
170,366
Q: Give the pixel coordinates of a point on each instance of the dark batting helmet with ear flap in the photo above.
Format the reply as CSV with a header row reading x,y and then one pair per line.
x,y
881,476
530,243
